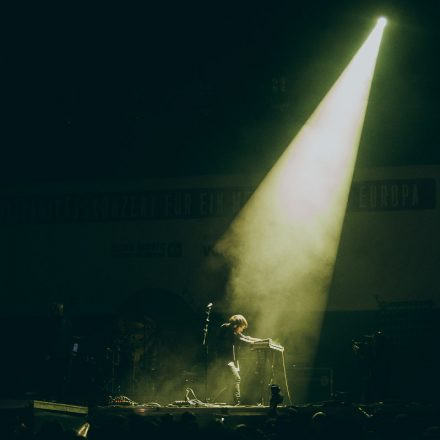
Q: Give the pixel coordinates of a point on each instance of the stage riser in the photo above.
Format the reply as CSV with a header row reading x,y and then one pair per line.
x,y
35,418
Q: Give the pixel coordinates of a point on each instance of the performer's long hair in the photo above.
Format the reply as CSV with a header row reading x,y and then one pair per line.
x,y
238,321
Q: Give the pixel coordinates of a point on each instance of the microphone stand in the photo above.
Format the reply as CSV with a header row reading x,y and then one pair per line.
x,y
205,345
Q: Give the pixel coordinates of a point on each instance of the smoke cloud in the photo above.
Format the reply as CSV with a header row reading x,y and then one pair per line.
x,y
281,248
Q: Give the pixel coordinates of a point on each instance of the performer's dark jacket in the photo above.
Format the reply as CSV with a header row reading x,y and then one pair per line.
x,y
227,342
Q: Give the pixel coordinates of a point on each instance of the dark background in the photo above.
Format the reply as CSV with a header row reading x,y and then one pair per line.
x,y
180,88
187,88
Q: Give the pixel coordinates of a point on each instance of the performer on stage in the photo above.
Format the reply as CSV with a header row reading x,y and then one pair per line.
x,y
230,338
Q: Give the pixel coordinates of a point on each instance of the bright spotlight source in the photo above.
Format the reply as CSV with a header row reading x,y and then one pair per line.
x,y
382,21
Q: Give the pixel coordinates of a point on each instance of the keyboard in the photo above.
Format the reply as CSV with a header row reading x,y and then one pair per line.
x,y
266,344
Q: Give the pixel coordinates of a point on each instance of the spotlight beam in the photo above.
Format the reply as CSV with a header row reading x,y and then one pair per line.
x,y
282,246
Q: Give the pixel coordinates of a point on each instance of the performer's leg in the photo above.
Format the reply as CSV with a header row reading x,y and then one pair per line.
x,y
235,377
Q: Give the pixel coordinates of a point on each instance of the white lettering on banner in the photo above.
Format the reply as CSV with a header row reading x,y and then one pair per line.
x,y
169,205
147,205
415,198
384,195
211,203
393,195
197,203
152,249
209,251
205,206
239,198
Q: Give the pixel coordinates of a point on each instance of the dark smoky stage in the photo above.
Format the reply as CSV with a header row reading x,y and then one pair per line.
x,y
133,370
146,369
155,358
